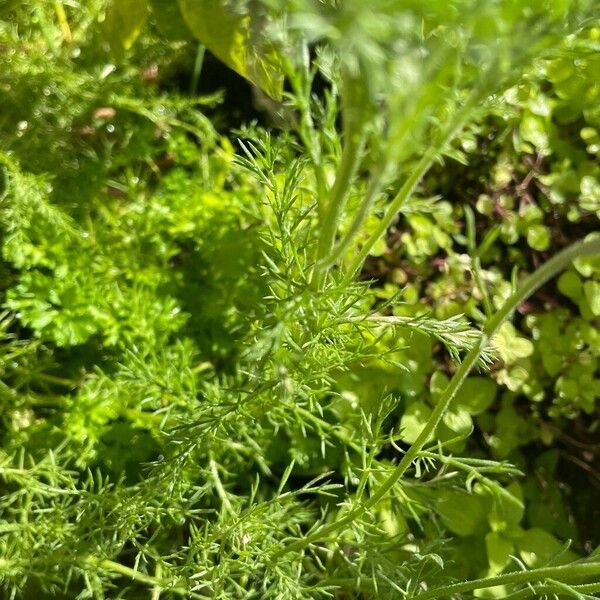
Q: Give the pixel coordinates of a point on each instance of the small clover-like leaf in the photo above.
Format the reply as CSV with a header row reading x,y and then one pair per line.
x,y
591,289
569,284
413,421
499,550
476,395
538,237
510,345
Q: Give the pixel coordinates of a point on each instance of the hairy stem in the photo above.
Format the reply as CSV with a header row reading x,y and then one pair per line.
x,y
338,198
375,186
539,591
301,85
565,572
354,138
537,279
408,187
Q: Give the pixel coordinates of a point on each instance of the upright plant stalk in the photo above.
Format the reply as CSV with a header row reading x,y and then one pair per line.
x,y
379,177
301,85
63,21
155,583
375,185
339,196
409,186
532,283
198,62
354,137
572,571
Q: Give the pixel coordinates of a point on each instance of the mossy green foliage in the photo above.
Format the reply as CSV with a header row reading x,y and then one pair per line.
x,y
188,395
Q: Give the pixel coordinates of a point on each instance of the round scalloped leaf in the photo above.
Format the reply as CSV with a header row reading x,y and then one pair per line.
x,y
499,550
462,513
413,421
537,547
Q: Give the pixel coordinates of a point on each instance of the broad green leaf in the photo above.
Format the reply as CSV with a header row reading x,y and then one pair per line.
x,y
588,265
236,40
591,290
169,20
533,130
361,390
456,423
392,521
437,385
569,284
124,22
507,506
499,550
413,421
590,193
537,547
462,513
538,237
497,592
511,346
476,395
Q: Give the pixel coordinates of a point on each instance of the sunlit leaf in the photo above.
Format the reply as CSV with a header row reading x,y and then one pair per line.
x,y
124,22
237,40
169,20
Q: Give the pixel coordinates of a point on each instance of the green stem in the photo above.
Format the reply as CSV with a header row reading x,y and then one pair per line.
x,y
198,62
537,279
221,492
469,465
115,567
353,104
476,262
411,183
539,591
48,378
63,21
155,583
473,468
414,113
301,86
339,197
570,572
375,186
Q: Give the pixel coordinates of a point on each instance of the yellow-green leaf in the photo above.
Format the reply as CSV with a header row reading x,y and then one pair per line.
x,y
124,22
235,39
498,550
169,20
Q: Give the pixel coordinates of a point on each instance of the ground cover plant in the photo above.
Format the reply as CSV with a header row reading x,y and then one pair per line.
x,y
299,299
